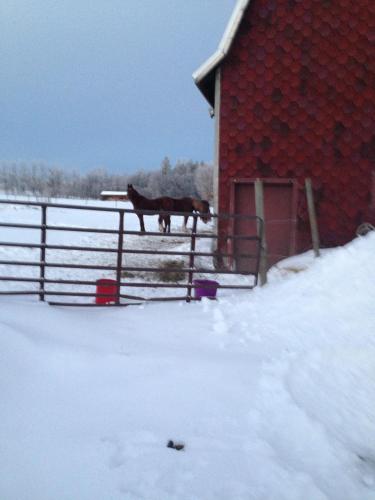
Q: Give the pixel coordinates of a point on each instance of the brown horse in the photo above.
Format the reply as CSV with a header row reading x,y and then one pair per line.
x,y
165,203
157,204
189,205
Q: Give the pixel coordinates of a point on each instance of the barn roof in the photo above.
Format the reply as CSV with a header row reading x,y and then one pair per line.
x,y
204,76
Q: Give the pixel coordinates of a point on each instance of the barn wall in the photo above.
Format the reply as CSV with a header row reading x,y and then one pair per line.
x,y
298,100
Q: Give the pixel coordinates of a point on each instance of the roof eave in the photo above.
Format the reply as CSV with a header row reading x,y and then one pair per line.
x,y
214,61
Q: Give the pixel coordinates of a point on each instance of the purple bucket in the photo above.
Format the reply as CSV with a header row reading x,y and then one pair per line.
x,y
205,288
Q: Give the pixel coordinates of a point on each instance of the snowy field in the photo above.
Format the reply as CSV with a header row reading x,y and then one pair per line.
x,y
272,391
22,214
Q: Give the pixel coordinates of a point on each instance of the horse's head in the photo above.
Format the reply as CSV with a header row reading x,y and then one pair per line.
x,y
203,207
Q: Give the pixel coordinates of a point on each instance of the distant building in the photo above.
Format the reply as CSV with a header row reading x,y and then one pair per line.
x,y
292,86
114,195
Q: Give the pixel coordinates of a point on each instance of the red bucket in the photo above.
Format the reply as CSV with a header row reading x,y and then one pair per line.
x,y
107,287
205,288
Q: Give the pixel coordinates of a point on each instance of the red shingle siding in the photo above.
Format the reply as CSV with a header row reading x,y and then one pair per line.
x,y
297,101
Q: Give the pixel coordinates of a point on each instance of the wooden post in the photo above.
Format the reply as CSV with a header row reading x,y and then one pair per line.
x,y
312,217
191,258
259,209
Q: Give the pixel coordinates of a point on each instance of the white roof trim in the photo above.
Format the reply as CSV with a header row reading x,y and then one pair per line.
x,y
225,43
110,193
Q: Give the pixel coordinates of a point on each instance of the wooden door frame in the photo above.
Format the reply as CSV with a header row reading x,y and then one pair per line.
x,y
272,181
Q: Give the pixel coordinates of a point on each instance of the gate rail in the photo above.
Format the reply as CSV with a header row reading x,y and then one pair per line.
x,y
119,250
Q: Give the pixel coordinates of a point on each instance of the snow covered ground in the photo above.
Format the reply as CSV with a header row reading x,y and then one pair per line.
x,y
271,391
22,214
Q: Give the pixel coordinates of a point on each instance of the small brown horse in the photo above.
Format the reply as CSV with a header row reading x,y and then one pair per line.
x,y
188,205
167,204
157,204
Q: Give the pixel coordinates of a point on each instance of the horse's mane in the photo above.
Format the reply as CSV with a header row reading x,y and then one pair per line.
x,y
141,202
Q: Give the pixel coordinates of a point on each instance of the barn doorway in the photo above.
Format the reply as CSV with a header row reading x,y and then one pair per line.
x,y
280,205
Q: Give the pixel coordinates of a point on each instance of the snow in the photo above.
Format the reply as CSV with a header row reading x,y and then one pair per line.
x,y
272,391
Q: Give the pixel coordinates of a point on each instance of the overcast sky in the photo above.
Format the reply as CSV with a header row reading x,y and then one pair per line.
x,y
87,83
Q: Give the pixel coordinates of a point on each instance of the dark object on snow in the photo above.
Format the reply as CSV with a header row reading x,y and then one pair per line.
x,y
175,446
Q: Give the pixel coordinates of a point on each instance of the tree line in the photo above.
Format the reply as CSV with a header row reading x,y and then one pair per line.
x,y
185,178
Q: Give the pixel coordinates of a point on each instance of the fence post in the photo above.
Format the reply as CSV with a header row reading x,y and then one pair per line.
x,y
259,208
191,258
119,254
43,239
312,217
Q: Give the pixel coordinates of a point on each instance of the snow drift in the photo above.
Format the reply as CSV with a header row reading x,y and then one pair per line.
x,y
272,393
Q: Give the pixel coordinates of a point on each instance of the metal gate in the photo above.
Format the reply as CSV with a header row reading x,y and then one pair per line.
x,y
50,283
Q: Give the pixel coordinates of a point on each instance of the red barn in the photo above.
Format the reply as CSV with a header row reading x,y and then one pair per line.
x,y
292,86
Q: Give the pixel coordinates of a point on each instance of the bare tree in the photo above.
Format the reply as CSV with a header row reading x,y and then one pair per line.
x,y
203,179
185,178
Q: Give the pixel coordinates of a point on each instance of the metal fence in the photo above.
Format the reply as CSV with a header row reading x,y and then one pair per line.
x,y
119,267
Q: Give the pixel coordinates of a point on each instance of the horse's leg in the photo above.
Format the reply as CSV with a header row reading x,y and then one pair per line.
x,y
141,223
184,227
168,223
160,220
